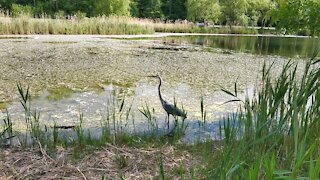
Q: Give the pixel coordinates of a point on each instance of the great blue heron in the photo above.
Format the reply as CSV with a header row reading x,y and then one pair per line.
x,y
168,107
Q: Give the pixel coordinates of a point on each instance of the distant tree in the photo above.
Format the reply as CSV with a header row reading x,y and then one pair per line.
x,y
313,17
6,4
150,9
134,8
257,11
203,10
18,10
174,9
86,6
112,7
234,12
294,16
288,15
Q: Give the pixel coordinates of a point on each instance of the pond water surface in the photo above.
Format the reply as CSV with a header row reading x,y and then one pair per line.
x,y
191,66
290,46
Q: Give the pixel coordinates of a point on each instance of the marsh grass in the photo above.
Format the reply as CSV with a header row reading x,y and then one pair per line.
x,y
149,115
114,128
203,120
24,24
37,134
193,28
6,134
161,168
274,134
95,25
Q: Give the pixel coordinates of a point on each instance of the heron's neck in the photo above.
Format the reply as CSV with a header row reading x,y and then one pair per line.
x,y
161,99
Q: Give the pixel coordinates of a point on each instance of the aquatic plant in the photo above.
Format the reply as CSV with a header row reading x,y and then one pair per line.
x,y
149,114
6,134
274,134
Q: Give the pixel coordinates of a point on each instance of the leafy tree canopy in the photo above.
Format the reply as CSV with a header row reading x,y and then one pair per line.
x,y
288,16
112,7
293,16
203,10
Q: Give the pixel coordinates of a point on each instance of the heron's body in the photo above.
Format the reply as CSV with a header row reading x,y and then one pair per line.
x,y
168,107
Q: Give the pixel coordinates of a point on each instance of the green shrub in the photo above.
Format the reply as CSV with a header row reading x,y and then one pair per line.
x,y
20,10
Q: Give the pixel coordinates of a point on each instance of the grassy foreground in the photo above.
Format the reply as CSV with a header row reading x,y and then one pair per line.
x,y
274,135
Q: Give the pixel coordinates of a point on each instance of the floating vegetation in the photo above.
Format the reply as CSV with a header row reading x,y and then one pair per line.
x,y
15,37
97,88
59,93
61,42
119,84
4,105
19,41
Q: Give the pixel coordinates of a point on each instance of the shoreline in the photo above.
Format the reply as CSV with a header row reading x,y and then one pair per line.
x,y
155,35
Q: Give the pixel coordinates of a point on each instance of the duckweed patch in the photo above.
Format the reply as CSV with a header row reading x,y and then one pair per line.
x,y
97,88
4,105
59,93
14,37
120,84
61,42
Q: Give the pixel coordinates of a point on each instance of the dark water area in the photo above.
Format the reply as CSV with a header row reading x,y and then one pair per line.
x,y
262,45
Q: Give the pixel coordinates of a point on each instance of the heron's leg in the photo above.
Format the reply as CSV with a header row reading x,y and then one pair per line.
x,y
168,121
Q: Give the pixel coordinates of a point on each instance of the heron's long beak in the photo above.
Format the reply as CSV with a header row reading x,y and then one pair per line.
x,y
152,76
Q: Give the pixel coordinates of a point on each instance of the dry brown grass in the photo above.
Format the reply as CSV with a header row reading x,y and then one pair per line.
x,y
24,24
140,163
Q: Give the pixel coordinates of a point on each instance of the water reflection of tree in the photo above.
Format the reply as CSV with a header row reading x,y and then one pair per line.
x,y
262,45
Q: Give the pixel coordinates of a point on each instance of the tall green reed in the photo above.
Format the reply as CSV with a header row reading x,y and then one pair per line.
x,y
115,124
202,123
179,128
7,133
36,134
161,167
152,121
80,132
281,120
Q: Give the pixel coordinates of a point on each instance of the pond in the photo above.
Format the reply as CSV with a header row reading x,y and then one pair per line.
x,y
286,46
92,75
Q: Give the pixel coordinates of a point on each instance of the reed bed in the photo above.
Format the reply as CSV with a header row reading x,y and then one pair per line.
x,y
181,27
43,152
95,25
24,24
274,135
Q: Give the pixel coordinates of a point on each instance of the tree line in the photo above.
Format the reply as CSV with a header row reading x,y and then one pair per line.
x,y
290,15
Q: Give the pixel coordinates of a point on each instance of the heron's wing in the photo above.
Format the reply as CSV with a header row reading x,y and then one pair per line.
x,y
174,110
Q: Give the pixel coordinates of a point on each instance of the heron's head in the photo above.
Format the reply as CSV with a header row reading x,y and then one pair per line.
x,y
154,76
